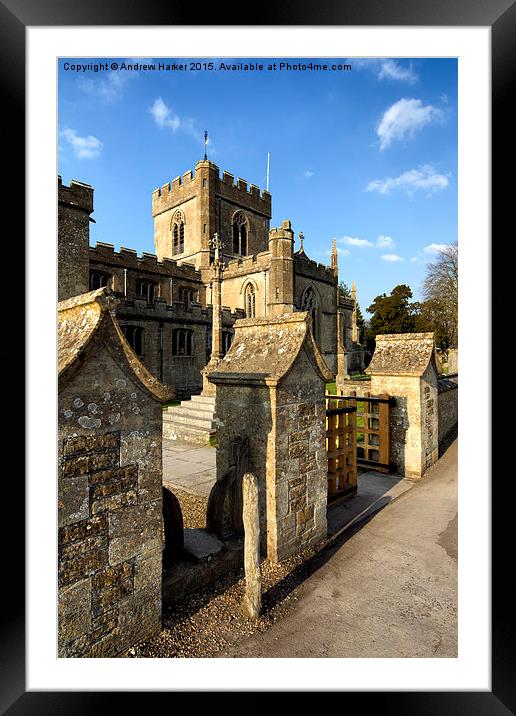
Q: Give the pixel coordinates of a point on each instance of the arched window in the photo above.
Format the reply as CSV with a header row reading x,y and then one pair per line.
x,y
240,234
134,336
250,301
186,295
146,289
178,233
227,338
181,238
309,303
175,240
182,342
98,279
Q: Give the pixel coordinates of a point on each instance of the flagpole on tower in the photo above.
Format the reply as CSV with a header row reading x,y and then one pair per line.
x,y
268,165
205,145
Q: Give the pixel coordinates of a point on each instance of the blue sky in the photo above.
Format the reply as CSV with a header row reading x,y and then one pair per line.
x,y
367,156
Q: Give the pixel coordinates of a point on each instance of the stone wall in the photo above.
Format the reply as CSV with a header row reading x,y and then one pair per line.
x,y
109,488
270,388
448,408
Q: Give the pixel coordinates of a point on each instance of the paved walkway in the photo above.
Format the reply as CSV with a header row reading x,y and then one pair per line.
x,y
192,469
189,467
387,589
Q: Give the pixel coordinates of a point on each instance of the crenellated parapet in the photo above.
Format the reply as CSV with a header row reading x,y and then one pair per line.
x,y
238,193
248,264
185,187
128,258
304,266
160,309
77,195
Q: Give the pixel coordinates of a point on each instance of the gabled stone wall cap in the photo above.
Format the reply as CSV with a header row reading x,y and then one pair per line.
x,y
402,354
83,317
266,349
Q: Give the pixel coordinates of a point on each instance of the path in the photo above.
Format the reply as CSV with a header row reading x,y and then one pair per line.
x,y
386,590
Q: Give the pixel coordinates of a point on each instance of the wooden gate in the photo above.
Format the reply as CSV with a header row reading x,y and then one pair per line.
x,y
372,427
341,448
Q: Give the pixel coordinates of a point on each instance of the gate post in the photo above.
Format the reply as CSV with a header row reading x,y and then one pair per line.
x,y
404,366
271,389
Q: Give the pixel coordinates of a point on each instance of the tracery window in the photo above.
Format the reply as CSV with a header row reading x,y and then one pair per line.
x,y
250,301
240,234
178,233
309,303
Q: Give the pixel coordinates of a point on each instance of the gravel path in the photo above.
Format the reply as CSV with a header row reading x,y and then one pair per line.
x,y
209,622
193,507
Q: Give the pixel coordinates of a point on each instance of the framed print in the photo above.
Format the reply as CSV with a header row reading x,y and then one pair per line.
x,y
53,78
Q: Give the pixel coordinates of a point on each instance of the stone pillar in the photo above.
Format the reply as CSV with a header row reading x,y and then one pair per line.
x,y
281,273
270,388
342,357
252,602
216,333
403,365
354,325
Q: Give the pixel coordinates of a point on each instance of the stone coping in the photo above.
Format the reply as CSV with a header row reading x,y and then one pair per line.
x,y
84,318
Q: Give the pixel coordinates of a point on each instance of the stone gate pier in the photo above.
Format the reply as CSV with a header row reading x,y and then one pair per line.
x,y
270,390
109,484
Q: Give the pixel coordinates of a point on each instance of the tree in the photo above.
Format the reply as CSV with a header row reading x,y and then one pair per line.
x,y
391,314
345,291
440,310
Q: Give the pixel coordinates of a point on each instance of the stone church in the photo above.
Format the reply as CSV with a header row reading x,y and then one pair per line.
x,y
164,301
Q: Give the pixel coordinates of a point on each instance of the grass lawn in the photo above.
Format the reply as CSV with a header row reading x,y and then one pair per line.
x,y
172,402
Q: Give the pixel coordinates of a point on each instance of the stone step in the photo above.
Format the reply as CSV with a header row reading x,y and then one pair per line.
x,y
201,546
186,433
191,410
186,420
205,399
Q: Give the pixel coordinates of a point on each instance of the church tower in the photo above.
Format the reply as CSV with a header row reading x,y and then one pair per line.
x,y
189,211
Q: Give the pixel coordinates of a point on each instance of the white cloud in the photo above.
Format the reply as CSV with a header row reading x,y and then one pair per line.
x,y
83,147
386,69
164,116
307,173
424,178
404,118
385,242
435,248
111,86
351,241
391,258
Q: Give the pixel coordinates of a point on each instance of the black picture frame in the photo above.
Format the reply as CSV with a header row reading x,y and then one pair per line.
x,y
500,15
